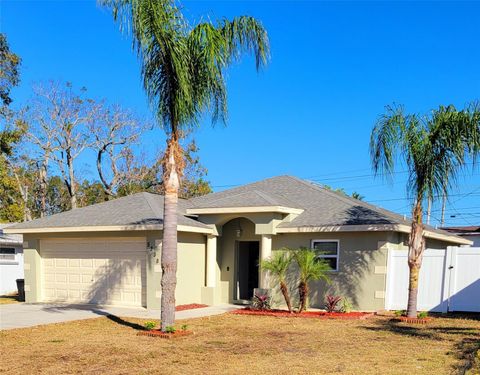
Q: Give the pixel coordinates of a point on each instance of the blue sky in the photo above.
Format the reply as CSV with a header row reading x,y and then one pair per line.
x,y
334,66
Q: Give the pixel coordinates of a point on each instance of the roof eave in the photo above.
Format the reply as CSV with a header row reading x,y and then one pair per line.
x,y
375,228
243,210
107,228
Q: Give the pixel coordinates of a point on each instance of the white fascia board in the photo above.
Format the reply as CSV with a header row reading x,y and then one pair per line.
x,y
107,228
376,228
243,210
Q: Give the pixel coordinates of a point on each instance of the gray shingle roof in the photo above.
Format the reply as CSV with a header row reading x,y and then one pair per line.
x,y
241,198
322,207
136,209
9,239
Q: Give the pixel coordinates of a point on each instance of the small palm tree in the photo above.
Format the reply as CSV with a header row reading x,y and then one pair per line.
x,y
310,268
183,76
434,148
278,265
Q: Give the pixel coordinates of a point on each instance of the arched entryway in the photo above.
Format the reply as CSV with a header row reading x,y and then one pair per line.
x,y
240,248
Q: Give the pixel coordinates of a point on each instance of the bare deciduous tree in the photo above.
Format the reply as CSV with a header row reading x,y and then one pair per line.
x,y
115,131
60,119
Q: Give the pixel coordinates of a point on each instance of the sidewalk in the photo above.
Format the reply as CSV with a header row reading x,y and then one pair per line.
x,y
23,315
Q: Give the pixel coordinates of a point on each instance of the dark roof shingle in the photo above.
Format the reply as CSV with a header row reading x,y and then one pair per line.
x,y
136,209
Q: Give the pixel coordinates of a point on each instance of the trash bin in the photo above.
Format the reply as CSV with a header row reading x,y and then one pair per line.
x,y
21,289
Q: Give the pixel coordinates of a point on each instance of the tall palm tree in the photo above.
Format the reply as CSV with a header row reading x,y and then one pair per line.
x,y
310,268
183,76
278,265
434,148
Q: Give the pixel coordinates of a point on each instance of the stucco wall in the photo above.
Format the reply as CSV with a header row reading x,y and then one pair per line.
x,y
361,267
362,264
190,269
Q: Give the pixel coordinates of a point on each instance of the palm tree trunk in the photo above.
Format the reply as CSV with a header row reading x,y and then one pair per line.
x,y
286,295
416,247
413,290
169,245
303,294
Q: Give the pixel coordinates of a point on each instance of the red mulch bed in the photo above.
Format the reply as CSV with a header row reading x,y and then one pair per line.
x,y
405,319
305,314
190,306
164,335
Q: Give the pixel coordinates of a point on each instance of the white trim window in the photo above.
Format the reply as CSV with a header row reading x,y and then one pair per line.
x,y
328,251
7,253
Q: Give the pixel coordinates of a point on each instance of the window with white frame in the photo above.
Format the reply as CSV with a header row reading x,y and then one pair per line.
x,y
7,253
327,250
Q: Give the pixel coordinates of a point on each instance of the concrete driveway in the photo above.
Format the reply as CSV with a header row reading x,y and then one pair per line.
x,y
21,315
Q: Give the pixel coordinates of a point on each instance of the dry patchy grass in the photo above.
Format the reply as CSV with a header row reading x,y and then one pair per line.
x,y
231,344
8,299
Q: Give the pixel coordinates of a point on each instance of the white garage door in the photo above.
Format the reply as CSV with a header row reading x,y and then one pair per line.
x,y
100,271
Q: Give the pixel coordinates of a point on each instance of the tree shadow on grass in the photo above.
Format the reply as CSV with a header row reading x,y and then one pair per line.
x,y
125,323
403,329
96,310
464,350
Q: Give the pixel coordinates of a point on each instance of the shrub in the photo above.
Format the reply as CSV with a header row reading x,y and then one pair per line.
x,y
346,305
184,327
422,314
277,265
332,302
400,313
170,329
150,325
261,302
310,268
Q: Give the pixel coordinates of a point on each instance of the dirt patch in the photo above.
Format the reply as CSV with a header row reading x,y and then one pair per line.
x,y
164,335
190,306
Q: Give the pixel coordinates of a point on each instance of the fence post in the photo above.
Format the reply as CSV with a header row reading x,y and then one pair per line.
x,y
450,269
388,278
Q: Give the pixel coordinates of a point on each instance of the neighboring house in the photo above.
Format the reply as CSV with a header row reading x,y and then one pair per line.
x,y
11,260
109,253
471,233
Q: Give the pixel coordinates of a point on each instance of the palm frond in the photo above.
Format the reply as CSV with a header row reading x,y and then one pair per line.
x,y
246,34
435,147
387,139
278,264
310,267
182,67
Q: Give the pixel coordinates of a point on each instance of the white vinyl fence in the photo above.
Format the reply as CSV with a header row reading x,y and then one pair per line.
x,y
449,280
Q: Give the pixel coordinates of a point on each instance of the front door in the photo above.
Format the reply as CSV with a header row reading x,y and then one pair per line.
x,y
246,270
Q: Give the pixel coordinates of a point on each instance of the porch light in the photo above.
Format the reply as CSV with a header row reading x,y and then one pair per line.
x,y
239,230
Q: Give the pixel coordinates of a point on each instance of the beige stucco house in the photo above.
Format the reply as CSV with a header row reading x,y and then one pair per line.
x,y
109,253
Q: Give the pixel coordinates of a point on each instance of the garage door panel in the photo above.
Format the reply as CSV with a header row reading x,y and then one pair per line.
x,y
74,278
110,271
